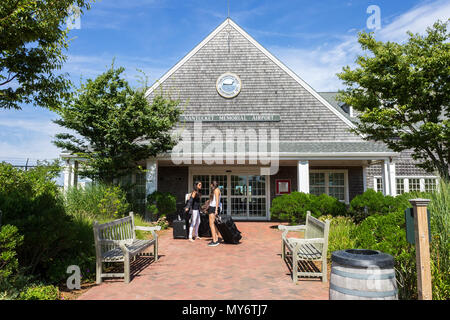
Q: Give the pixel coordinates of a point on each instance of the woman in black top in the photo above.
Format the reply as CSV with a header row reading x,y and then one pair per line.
x,y
194,206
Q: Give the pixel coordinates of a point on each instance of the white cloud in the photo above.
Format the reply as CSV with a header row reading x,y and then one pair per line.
x,y
415,20
28,138
318,66
89,66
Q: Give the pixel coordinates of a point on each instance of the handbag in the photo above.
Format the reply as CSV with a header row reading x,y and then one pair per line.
x,y
188,205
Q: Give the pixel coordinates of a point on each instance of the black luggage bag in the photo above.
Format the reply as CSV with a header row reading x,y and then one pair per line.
x,y
204,230
228,230
181,228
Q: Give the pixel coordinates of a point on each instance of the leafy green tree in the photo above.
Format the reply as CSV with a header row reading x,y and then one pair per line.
x,y
116,126
402,94
32,39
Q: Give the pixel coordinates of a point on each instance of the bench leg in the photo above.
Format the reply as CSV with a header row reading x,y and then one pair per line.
x,y
294,267
283,250
155,250
324,270
126,269
98,272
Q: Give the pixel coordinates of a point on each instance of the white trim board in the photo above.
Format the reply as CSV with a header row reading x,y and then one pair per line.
x,y
291,73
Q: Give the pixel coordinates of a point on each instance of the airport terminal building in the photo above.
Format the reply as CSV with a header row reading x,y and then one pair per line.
x,y
257,128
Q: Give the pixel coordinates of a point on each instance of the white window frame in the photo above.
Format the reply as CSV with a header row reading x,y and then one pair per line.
x,y
327,185
406,182
375,186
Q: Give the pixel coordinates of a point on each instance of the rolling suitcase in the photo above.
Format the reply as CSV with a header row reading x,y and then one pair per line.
x,y
204,230
228,229
180,228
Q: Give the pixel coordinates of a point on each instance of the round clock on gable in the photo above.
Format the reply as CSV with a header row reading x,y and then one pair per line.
x,y
228,85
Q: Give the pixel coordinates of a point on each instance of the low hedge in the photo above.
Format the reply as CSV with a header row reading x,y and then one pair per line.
x,y
294,206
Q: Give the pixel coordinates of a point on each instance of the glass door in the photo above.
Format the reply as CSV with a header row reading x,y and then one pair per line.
x,y
206,180
257,196
238,198
244,196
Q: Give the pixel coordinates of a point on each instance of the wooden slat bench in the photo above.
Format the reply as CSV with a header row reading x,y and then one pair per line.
x,y
116,242
313,247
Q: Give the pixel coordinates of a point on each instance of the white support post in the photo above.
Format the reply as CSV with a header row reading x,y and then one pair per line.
x,y
151,184
389,182
422,185
385,177
303,176
75,174
68,175
392,178
406,184
364,172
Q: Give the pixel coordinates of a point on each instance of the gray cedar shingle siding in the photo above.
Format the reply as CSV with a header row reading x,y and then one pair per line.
x,y
266,89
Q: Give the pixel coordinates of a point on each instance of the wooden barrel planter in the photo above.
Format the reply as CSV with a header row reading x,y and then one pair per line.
x,y
359,274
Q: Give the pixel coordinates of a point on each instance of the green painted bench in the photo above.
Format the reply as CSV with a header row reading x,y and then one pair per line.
x,y
313,247
116,242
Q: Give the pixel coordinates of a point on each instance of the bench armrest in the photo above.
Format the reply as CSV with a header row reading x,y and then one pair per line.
x,y
306,241
157,228
113,242
292,228
151,229
287,229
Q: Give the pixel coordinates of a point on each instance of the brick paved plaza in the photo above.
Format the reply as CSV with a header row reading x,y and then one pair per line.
x,y
252,270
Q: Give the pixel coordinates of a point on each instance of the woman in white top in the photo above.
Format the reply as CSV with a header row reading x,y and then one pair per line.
x,y
215,207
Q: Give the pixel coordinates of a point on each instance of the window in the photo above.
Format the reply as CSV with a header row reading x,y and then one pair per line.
x,y
336,185
379,184
400,186
317,183
430,185
414,185
332,183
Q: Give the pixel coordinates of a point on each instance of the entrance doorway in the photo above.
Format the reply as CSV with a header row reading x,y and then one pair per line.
x,y
244,191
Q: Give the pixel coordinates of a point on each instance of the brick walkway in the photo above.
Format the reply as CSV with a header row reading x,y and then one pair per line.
x,y
252,270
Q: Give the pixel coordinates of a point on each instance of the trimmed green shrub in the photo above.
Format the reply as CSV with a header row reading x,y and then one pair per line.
x,y
294,206
327,205
291,207
372,202
161,204
40,293
10,240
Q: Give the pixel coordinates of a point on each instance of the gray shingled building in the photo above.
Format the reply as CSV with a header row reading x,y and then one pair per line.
x,y
254,126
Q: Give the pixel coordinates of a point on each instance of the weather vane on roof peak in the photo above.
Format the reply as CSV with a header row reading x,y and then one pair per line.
x,y
228,9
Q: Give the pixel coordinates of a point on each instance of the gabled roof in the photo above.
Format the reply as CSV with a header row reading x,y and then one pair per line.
x,y
292,74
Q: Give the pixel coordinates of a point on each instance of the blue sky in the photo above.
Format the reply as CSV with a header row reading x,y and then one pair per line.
x,y
314,38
